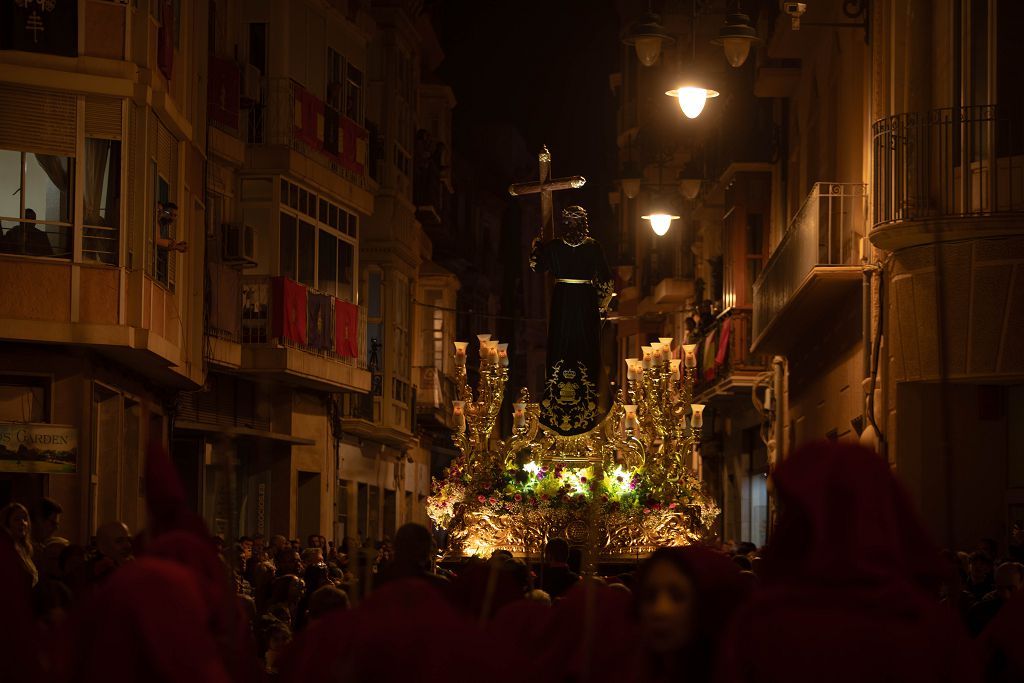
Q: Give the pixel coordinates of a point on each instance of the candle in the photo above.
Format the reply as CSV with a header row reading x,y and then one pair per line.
x,y
503,354
666,347
519,415
483,338
673,366
690,354
460,353
630,421
697,420
632,368
646,362
459,414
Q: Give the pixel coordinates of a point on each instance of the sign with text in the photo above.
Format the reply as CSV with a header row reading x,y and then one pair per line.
x,y
39,448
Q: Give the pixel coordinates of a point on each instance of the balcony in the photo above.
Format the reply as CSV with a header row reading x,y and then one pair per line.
x,y
435,394
290,128
816,265
247,330
728,365
673,290
955,172
429,190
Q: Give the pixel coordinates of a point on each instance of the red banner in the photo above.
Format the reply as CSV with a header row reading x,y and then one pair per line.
x,y
289,319
723,341
322,131
346,333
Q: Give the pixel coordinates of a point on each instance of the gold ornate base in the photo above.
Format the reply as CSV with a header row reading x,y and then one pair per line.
x,y
478,530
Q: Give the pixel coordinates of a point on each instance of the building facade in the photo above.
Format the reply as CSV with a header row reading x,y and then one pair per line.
x,y
101,309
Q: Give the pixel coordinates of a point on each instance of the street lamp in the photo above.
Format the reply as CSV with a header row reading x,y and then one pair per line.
x,y
660,222
690,179
647,35
692,98
692,94
630,179
736,37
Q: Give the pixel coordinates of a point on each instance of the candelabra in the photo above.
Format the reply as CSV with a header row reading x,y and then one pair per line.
x,y
626,482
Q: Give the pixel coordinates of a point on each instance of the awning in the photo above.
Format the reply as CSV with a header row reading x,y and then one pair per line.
x,y
223,430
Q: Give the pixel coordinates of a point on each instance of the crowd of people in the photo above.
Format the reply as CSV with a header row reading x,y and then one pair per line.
x,y
848,589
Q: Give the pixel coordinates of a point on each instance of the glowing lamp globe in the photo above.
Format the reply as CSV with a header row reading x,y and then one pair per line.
x,y
692,99
660,222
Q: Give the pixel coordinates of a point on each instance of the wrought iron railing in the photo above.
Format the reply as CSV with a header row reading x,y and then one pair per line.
x,y
723,348
261,322
826,231
948,163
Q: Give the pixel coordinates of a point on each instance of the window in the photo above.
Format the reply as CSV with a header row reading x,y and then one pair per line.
x,y
102,197
319,252
335,80
390,502
24,399
354,95
35,204
164,257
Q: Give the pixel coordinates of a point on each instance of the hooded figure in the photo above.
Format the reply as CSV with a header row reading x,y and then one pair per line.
x,y
849,586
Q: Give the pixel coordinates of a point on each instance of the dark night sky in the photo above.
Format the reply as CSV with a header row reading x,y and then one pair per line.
x,y
541,66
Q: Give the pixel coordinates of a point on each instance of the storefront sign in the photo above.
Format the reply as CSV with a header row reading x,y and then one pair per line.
x,y
41,448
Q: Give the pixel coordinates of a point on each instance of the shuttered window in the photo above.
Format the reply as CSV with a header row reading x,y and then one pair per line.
x,y
38,121
163,146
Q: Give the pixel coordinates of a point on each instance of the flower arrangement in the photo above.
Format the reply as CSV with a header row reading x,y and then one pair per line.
x,y
552,486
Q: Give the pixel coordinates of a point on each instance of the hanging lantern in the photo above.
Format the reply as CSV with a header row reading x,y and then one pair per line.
x,y
647,35
736,37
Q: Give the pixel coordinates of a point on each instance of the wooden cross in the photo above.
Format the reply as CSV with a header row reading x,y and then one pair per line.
x,y
544,188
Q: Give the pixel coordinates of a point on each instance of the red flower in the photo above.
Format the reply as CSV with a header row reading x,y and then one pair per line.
x,y
604,499
544,496
657,506
519,497
673,506
482,499
493,500
583,480
647,511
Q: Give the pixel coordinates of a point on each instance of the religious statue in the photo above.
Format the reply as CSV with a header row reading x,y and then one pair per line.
x,y
583,290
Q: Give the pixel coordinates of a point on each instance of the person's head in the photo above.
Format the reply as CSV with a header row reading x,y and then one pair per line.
x,y
46,515
277,544
414,545
1009,579
15,521
287,590
743,562
259,542
746,548
289,562
167,212
30,214
114,541
326,599
989,546
558,550
313,541
246,543
312,556
685,598
501,554
537,595
979,567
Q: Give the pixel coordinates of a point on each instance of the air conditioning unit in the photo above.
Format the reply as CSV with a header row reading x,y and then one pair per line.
x,y
239,244
252,85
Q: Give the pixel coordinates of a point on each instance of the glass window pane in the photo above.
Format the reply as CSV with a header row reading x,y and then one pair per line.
x,y
327,273
102,195
287,266
353,225
332,216
307,254
373,296
323,211
10,184
293,196
48,187
346,274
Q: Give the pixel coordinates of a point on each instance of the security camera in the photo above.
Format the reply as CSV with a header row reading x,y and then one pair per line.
x,y
795,10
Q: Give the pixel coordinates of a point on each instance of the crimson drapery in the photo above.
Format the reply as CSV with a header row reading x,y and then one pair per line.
x,y
346,335
723,341
289,319
319,327
334,135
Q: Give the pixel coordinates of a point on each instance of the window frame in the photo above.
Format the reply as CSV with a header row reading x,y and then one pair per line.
x,y
69,225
